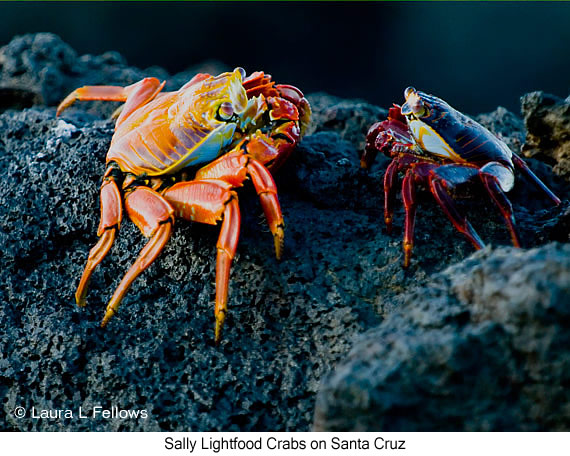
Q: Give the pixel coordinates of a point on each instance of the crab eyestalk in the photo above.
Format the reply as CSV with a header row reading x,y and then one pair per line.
x,y
414,104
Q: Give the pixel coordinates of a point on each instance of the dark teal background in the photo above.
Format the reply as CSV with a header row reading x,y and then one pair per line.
x,y
476,55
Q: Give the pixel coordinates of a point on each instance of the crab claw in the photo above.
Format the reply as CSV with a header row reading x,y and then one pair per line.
x,y
386,136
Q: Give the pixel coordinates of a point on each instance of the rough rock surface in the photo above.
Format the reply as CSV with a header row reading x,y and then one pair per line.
x,y
547,121
289,322
482,347
42,69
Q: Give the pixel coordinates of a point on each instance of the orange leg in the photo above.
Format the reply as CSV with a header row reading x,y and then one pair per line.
x,y
134,95
233,168
267,191
111,215
209,202
154,217
227,246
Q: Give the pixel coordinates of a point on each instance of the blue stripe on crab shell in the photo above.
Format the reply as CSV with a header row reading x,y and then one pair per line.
x,y
208,150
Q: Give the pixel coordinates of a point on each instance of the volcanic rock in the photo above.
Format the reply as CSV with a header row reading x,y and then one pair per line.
x,y
547,121
481,347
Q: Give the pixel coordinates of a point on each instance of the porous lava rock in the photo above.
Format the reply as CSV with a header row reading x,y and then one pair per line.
x,y
547,121
42,69
481,347
289,322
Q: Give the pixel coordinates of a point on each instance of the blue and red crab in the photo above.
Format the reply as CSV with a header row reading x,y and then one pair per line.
x,y
181,155
435,146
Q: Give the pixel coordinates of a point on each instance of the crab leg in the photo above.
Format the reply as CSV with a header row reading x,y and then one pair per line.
x,y
208,201
134,95
503,203
111,215
437,188
154,217
409,198
92,93
233,168
520,164
267,191
390,180
227,246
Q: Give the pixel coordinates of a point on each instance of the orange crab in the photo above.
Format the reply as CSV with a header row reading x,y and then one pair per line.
x,y
182,154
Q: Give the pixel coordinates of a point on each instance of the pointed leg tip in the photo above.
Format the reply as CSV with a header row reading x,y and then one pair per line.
x,y
279,240
108,315
220,317
479,245
80,300
407,254
388,221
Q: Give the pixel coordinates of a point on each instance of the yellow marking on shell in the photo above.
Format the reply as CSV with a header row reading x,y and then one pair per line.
x,y
143,160
430,141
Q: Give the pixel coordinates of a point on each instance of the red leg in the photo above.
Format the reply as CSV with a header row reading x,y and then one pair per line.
x,y
111,215
437,187
154,217
390,180
409,198
208,202
503,203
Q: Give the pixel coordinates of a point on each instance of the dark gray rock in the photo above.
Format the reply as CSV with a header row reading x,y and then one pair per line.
x,y
351,119
42,69
289,323
547,121
482,347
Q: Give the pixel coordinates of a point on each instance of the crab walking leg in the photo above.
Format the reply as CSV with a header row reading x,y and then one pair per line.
x,y
503,203
92,93
520,164
390,180
233,168
209,201
154,217
134,95
409,198
139,94
267,191
227,246
111,215
437,188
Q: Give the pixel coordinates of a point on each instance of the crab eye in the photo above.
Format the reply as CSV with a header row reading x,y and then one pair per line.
x,y
408,92
226,111
242,72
